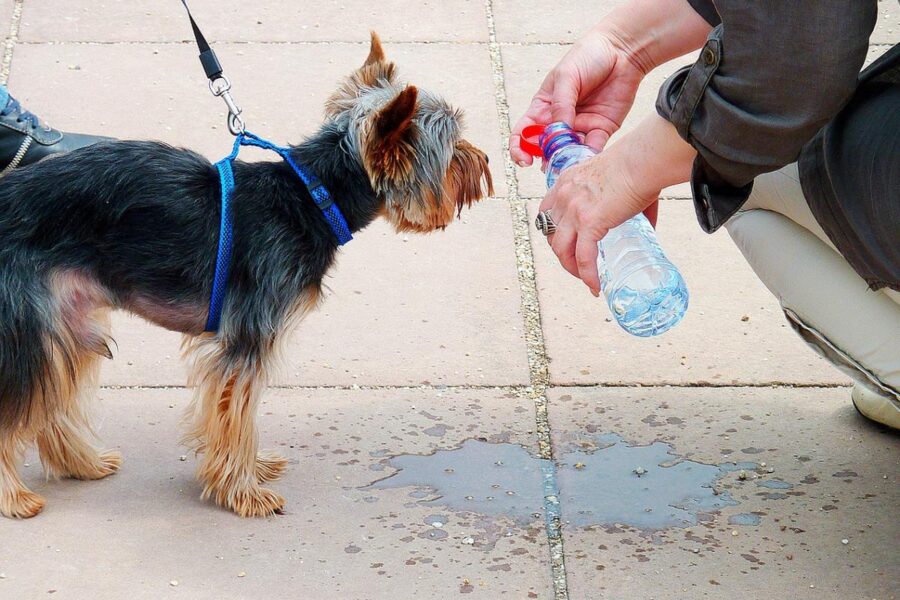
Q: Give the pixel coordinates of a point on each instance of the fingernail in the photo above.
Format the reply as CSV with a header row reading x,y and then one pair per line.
x,y
521,163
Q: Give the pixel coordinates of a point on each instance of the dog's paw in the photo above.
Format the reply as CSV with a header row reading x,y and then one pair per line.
x,y
107,463
270,466
22,504
258,502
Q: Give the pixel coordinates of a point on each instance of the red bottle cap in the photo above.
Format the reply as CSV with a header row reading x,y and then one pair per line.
x,y
532,132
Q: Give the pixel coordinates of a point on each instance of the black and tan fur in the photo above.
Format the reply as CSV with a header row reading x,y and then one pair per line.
x,y
134,226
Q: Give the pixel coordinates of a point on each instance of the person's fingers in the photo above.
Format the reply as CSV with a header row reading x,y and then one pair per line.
x,y
586,261
596,139
557,200
549,202
563,245
598,127
565,98
538,113
519,156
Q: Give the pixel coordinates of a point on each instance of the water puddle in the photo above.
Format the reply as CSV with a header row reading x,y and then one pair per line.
x,y
480,477
648,487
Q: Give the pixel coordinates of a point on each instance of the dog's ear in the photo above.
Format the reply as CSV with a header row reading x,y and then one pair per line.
x,y
392,123
375,72
376,51
469,177
377,69
388,152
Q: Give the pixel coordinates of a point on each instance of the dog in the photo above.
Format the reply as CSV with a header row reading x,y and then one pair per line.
x,y
134,225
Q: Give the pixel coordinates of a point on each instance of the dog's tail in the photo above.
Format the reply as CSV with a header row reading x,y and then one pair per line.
x,y
25,348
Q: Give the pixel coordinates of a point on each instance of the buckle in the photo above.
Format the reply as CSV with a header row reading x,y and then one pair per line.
x,y
319,193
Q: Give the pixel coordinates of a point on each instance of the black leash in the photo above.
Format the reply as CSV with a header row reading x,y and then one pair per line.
x,y
219,85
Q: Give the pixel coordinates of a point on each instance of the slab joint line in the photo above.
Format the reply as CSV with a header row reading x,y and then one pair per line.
x,y
10,41
539,373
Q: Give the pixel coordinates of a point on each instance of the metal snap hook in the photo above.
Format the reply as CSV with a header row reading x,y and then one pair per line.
x,y
219,86
236,124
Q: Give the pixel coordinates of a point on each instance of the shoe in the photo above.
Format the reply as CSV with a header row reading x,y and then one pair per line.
x,y
876,407
24,139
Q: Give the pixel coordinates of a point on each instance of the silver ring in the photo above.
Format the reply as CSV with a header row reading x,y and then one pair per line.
x,y
544,223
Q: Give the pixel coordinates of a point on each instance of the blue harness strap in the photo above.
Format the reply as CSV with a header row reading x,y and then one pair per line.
x,y
317,190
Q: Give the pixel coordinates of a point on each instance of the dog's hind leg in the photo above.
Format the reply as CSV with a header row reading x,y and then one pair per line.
x,y
80,338
224,429
64,438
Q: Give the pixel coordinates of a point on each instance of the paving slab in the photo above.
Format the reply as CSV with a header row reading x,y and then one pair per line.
x,y
827,528
563,22
887,29
874,53
454,305
234,20
158,91
526,67
132,534
714,344
568,20
6,14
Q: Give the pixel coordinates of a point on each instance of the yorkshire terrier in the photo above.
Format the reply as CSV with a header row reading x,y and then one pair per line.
x,y
134,225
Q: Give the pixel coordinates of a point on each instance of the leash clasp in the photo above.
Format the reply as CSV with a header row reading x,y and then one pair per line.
x,y
220,87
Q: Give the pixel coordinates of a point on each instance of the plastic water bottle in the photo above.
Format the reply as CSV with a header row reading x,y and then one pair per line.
x,y
644,290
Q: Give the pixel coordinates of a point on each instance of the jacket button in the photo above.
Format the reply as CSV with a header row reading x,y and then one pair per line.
x,y
709,55
705,196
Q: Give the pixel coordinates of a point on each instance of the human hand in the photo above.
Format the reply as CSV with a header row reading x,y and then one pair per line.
x,y
586,202
591,198
592,89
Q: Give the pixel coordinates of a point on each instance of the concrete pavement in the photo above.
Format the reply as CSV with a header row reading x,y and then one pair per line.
x,y
435,358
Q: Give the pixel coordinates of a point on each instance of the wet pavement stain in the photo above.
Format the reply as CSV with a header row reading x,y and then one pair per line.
x,y
774,484
647,487
478,477
744,519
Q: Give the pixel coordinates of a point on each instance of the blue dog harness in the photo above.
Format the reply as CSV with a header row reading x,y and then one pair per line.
x,y
319,193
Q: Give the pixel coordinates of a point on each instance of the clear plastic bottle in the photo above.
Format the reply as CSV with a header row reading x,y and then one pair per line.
x,y
645,291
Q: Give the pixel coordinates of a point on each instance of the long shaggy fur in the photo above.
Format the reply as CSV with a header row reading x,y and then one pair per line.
x,y
134,226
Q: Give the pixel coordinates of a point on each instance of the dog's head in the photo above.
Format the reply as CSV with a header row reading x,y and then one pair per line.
x,y
410,144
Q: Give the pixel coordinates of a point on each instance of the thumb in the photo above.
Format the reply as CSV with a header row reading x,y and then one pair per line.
x,y
565,98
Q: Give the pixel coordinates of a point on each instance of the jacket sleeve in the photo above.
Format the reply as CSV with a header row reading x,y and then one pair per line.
x,y
707,10
770,75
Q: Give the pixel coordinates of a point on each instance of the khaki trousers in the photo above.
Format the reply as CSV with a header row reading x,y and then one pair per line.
x,y
823,298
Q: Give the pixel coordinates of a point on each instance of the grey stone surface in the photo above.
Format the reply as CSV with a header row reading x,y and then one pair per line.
x,y
840,471
130,535
233,20
887,29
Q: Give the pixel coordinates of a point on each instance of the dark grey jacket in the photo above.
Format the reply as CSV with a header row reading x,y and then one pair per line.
x,y
779,82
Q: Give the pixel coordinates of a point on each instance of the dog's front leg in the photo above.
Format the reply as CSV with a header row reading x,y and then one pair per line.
x,y
224,430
